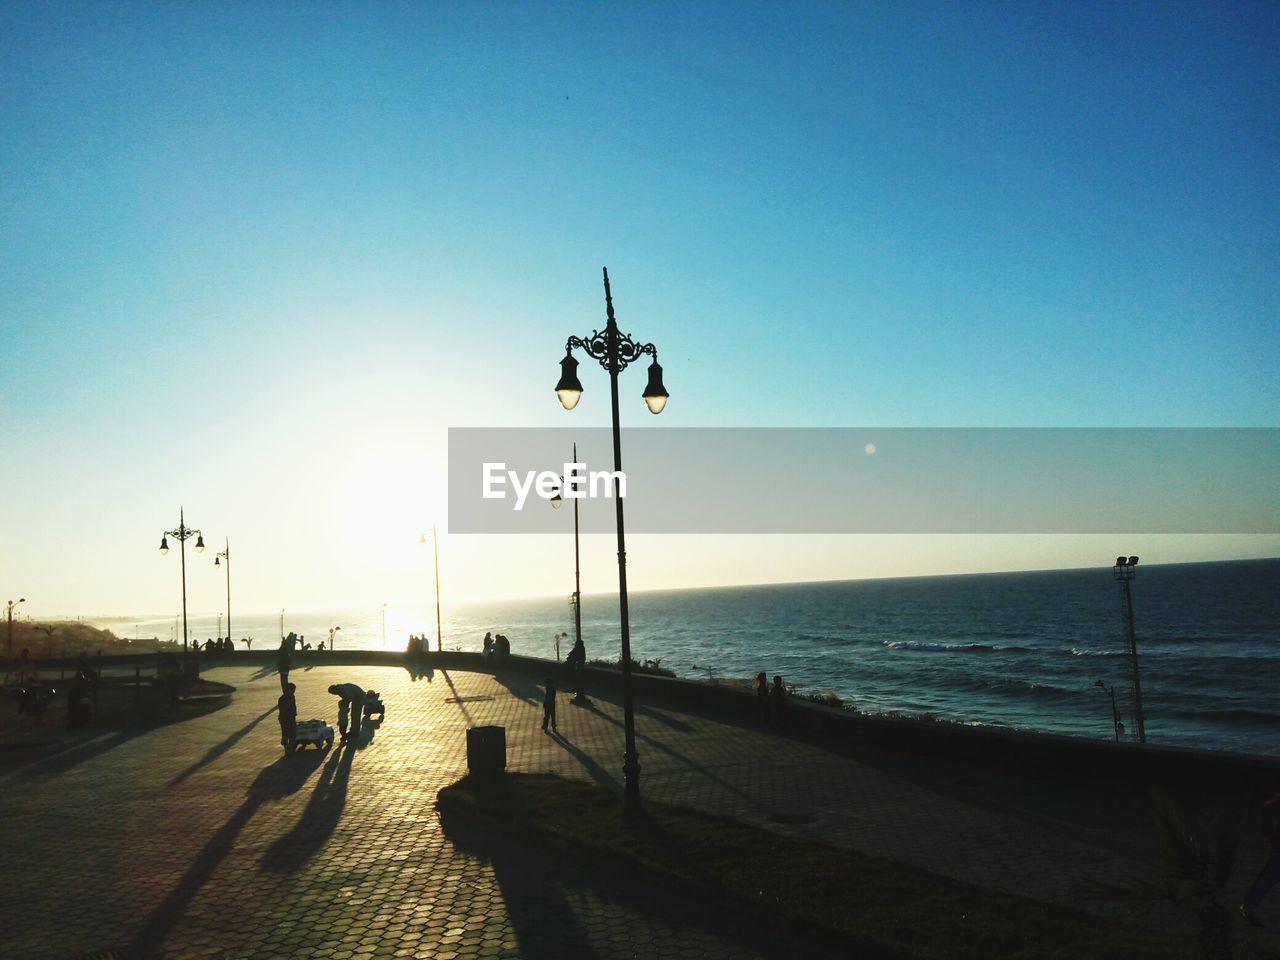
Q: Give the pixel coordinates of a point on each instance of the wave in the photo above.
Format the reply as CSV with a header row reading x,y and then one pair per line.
x,y
1077,652
925,647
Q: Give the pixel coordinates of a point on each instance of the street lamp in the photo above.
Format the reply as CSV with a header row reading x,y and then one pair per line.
x,y
1124,572
615,351
11,604
183,534
435,549
225,554
384,625
577,568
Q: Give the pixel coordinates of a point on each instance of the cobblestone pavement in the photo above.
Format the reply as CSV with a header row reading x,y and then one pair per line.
x,y
199,839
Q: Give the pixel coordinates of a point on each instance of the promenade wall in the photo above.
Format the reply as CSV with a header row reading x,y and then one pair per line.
x,y
1124,762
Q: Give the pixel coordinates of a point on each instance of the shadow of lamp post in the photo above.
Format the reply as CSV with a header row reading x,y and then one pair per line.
x,y
615,351
225,554
11,604
1123,572
182,534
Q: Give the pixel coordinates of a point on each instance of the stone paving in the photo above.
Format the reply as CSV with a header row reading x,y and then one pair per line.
x,y
200,839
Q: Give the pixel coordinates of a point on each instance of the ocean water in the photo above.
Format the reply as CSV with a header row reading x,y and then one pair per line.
x,y
1021,650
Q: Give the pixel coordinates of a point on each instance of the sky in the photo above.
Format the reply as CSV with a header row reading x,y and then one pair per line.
x,y
257,260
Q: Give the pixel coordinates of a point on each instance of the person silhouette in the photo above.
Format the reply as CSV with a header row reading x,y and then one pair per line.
x,y
549,705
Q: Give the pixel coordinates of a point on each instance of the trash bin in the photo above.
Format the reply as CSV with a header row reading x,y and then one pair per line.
x,y
486,749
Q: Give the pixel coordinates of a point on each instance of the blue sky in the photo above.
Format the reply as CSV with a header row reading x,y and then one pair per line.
x,y
258,258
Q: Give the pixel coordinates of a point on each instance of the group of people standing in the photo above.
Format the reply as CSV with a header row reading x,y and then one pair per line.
x,y
496,647
352,701
216,648
772,699
419,643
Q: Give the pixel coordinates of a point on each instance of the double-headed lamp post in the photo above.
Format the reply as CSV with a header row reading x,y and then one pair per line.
x,y
615,351
1123,572
225,554
11,604
182,535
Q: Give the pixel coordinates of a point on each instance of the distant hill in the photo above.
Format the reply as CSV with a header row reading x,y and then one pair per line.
x,y
72,637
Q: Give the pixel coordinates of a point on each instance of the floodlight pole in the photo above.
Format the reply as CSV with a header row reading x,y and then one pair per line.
x,y
1124,573
435,551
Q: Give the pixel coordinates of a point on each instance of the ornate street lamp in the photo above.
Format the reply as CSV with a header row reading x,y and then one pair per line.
x,y
225,554
1123,572
11,604
183,534
615,351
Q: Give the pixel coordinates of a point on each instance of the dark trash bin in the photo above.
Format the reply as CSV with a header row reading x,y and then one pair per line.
x,y
486,749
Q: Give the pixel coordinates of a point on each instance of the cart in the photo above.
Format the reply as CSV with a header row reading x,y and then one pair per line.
x,y
315,733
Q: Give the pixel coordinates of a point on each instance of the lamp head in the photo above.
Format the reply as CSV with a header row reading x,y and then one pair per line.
x,y
569,389
655,394
216,561
200,543
164,546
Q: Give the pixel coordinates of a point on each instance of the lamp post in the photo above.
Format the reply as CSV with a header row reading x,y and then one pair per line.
x,y
183,534
1123,572
333,637
384,626
1116,723
435,550
615,351
225,554
577,560
11,604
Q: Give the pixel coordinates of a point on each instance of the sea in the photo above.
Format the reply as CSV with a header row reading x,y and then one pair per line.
x,y
1043,650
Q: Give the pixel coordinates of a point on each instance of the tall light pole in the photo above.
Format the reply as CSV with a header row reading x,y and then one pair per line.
x,y
1123,572
225,554
183,534
435,550
615,351
11,604
577,558
384,625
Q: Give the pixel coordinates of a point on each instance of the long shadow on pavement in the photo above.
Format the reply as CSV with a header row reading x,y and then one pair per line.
x,y
597,773
291,852
48,768
280,779
520,684
555,901
456,698
219,749
682,758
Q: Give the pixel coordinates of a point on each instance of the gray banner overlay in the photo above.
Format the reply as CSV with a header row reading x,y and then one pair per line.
x,y
878,480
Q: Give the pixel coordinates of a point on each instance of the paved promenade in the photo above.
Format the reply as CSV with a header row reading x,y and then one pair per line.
x,y
199,839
